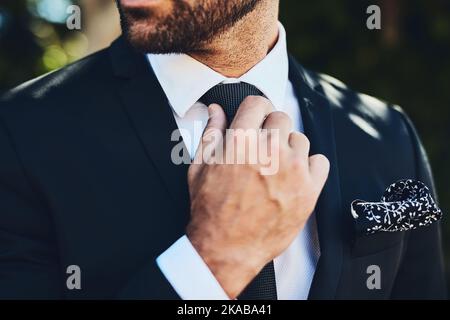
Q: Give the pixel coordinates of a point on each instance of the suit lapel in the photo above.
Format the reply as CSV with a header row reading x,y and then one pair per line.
x,y
318,124
151,116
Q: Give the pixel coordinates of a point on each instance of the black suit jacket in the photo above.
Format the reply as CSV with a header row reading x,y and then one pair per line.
x,y
86,179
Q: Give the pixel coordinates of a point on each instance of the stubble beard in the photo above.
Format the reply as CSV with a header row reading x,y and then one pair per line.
x,y
187,29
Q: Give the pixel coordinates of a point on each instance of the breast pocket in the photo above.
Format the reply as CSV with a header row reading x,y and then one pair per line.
x,y
371,244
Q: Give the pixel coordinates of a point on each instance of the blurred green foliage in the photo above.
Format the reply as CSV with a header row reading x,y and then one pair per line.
x,y
30,45
407,62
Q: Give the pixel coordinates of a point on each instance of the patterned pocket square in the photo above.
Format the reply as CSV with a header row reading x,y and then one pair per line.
x,y
405,205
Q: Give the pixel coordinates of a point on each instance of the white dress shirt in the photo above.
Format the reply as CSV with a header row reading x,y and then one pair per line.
x,y
184,80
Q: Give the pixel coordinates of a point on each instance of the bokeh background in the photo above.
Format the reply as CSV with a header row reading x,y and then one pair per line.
x,y
407,62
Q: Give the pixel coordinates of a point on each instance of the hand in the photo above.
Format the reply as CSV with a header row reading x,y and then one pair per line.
x,y
241,219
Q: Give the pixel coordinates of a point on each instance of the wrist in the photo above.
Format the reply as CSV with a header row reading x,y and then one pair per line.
x,y
232,267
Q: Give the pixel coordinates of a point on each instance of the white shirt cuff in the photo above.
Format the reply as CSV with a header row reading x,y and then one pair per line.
x,y
188,274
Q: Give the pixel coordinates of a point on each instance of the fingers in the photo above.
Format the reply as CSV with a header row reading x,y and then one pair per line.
x,y
217,118
214,131
319,167
252,113
279,121
300,144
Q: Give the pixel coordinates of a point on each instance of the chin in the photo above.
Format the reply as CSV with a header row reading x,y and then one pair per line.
x,y
142,36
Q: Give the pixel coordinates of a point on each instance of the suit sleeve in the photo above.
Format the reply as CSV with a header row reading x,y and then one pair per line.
x,y
29,266
421,274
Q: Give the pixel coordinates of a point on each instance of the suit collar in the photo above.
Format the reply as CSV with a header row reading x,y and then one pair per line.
x,y
124,59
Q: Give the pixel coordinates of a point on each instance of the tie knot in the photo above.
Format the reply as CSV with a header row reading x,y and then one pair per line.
x,y
230,96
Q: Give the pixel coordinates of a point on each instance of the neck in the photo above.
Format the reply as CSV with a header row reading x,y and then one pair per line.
x,y
237,50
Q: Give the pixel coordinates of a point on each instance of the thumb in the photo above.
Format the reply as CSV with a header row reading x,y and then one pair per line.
x,y
213,133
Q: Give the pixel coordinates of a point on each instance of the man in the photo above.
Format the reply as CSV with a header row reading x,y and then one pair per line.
x,y
88,178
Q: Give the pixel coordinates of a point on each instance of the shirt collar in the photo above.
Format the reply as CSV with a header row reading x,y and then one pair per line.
x,y
185,80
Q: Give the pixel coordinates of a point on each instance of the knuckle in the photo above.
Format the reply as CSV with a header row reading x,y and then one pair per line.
x,y
321,160
256,102
303,139
298,164
278,116
271,142
253,100
244,115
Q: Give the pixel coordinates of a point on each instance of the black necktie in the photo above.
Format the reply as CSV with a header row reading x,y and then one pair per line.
x,y
230,96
